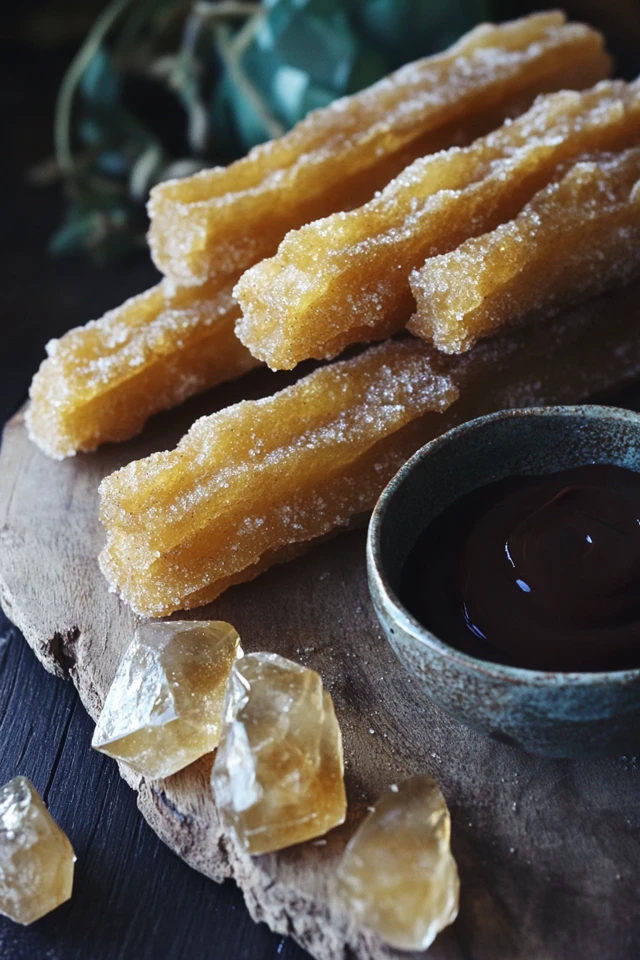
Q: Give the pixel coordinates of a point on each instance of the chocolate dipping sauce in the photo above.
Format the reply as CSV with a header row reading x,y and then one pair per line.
x,y
540,572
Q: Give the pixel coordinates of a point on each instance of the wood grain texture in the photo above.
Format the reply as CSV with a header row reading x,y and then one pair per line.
x,y
548,850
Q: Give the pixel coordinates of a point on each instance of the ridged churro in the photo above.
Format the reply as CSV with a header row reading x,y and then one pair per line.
x,y
101,382
345,278
219,222
260,476
576,238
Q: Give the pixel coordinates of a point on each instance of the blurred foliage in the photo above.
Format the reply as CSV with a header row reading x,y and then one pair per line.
x,y
162,88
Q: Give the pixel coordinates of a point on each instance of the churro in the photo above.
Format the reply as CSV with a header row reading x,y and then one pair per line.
x,y
260,476
345,279
576,238
101,382
219,222
254,484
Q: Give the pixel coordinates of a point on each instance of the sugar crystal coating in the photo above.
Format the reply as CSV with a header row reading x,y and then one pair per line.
x,y
101,382
254,484
278,773
258,477
164,707
574,239
221,221
346,278
398,875
36,858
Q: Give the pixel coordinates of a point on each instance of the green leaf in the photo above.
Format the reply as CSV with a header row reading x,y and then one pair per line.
x,y
289,89
319,40
314,98
115,131
112,163
368,66
100,83
407,29
225,136
245,126
102,227
72,236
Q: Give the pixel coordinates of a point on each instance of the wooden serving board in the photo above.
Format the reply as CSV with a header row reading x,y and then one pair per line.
x,y
548,851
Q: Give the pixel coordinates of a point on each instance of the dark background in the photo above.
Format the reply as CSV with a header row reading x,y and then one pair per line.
x,y
133,898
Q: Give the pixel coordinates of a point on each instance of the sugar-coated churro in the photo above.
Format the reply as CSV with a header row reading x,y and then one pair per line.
x,y
219,222
576,238
101,382
260,476
346,278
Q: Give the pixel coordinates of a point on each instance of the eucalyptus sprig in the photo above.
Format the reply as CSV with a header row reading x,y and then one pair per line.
x,y
162,88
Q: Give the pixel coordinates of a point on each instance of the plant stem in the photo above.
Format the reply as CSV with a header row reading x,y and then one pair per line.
x,y
64,103
230,57
225,9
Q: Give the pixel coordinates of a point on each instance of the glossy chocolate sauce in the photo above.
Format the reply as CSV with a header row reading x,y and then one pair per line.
x,y
540,572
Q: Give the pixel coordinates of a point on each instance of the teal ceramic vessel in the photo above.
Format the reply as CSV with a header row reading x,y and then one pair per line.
x,y
555,714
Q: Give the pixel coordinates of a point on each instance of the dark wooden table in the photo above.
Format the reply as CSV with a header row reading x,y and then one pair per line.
x,y
133,899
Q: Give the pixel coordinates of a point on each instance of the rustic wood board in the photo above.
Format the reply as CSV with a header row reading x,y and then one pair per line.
x,y
548,850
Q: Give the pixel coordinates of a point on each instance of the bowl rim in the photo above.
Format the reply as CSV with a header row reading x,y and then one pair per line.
x,y
377,573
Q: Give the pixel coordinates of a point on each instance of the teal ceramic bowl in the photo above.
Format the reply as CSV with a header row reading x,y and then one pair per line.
x,y
555,714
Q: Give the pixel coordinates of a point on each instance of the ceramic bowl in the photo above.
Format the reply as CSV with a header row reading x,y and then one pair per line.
x,y
551,713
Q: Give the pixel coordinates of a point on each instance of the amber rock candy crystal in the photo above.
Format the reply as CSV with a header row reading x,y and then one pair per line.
x,y
346,278
278,773
221,221
251,480
36,858
398,875
574,239
101,382
164,707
